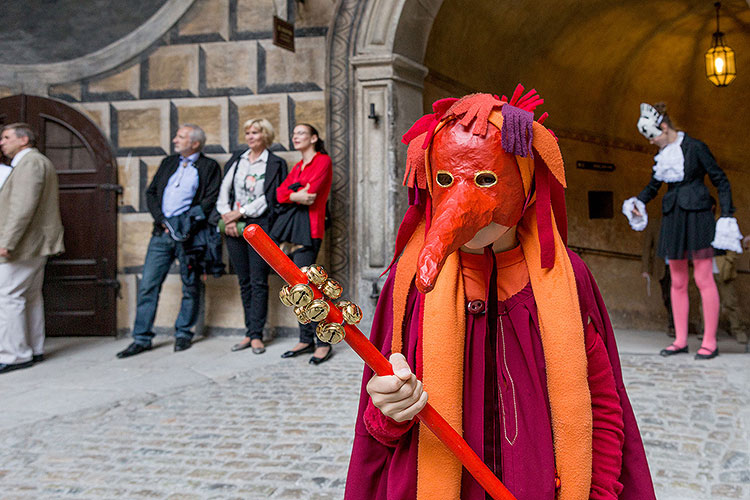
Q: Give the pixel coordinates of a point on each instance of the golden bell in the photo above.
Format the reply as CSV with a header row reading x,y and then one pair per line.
x,y
300,295
317,310
333,333
332,288
316,274
301,316
350,311
284,296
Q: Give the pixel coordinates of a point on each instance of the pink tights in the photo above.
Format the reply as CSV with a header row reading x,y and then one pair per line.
x,y
704,278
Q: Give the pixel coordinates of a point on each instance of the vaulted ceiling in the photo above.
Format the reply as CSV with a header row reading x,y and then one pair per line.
x,y
595,61
47,31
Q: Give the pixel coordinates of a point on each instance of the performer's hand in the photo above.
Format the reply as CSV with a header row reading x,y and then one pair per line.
x,y
231,230
746,243
645,275
4,253
398,396
636,212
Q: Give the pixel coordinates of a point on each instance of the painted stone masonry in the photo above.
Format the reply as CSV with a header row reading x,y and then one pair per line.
x,y
216,67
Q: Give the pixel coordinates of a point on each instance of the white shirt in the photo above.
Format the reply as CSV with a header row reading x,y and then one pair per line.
x,y
670,162
18,156
249,185
5,171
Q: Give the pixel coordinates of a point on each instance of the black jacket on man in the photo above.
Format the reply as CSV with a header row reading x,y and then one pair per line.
x,y
209,181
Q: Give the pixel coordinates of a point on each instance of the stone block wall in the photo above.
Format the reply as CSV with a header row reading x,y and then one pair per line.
x,y
217,67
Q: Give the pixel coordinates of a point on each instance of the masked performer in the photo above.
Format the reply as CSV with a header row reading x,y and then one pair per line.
x,y
501,323
688,230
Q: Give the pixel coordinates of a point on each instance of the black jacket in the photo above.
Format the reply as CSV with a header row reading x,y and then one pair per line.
x,y
691,193
209,181
276,172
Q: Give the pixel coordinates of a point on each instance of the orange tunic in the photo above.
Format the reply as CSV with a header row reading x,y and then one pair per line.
x,y
512,274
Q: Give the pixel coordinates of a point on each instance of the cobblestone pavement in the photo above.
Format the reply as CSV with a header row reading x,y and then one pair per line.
x,y
284,429
694,418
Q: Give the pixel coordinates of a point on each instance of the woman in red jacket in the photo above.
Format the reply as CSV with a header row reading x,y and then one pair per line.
x,y
306,188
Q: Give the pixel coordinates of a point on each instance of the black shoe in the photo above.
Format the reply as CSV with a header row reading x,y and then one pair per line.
x,y
133,349
317,361
37,358
710,355
304,350
182,344
672,352
9,367
259,350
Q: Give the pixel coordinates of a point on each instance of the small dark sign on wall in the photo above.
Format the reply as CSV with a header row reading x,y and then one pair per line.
x,y
283,34
601,205
596,165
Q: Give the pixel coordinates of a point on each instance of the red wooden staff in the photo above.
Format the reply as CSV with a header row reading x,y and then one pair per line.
x,y
283,265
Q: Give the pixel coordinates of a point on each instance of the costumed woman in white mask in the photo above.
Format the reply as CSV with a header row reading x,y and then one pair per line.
x,y
688,231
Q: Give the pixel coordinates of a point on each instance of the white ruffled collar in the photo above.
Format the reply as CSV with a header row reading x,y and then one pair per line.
x,y
670,162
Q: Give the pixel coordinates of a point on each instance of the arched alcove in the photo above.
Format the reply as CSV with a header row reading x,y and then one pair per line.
x,y
592,62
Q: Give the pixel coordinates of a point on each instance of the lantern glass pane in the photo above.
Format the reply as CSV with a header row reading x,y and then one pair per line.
x,y
727,66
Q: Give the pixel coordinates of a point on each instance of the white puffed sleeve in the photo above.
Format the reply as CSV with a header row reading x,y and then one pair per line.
x,y
727,235
638,223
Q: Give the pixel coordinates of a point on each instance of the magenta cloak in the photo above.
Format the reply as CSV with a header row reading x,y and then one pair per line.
x,y
507,421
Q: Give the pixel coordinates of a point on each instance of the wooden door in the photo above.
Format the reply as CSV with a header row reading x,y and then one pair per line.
x,y
80,286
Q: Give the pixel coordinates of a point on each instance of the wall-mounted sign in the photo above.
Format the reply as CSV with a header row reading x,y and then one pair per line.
x,y
283,34
596,165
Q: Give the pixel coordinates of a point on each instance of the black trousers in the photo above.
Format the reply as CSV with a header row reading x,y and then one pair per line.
x,y
304,257
252,274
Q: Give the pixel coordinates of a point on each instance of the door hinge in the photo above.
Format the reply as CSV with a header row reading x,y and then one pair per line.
x,y
111,283
111,187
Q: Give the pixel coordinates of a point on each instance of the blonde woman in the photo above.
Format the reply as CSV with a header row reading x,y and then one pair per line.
x,y
248,196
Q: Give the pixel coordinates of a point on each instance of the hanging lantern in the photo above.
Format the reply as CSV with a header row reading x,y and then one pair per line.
x,y
720,68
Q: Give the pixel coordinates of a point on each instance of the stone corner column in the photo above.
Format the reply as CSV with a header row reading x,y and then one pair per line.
x,y
386,101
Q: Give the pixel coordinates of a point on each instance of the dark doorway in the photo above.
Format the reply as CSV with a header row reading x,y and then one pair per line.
x,y
80,286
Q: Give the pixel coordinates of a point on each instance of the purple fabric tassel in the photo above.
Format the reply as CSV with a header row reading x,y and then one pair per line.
x,y
518,131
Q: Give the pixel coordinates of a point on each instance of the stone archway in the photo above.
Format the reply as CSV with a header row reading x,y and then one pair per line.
x,y
375,82
36,78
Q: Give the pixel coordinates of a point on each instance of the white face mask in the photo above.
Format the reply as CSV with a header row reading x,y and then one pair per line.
x,y
648,123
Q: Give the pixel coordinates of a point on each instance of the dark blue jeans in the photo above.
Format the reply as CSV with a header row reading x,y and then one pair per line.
x,y
162,251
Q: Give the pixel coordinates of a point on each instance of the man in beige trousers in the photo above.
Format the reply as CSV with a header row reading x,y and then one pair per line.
x,y
30,231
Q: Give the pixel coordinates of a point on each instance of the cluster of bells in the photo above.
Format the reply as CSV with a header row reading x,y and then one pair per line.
x,y
309,309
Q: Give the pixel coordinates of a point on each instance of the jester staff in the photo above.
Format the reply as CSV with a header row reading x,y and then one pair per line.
x,y
310,292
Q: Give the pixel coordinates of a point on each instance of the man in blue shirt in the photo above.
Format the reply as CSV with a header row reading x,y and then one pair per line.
x,y
184,181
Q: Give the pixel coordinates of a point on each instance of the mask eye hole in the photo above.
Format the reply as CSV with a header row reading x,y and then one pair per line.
x,y
444,179
485,179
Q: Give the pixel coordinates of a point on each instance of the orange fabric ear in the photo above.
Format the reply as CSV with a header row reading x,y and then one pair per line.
x,y
545,144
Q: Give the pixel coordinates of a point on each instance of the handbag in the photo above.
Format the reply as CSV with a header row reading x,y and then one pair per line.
x,y
292,223
223,227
